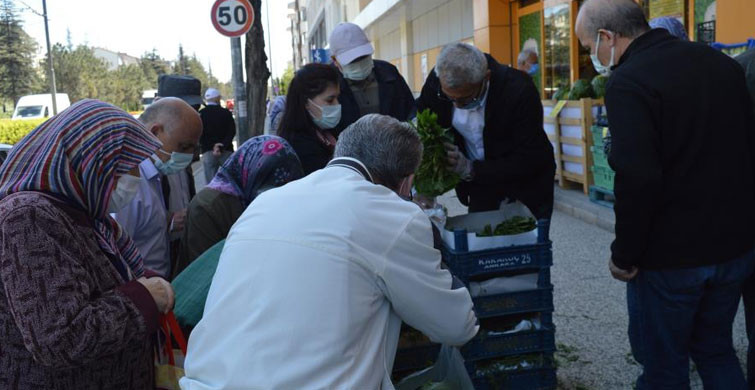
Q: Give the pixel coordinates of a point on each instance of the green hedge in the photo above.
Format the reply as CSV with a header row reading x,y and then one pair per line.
x,y
11,131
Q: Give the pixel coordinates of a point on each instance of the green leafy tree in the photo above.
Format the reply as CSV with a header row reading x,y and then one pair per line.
x,y
17,74
78,72
286,78
153,66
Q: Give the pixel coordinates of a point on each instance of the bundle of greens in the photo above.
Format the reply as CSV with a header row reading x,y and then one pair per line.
x,y
514,225
432,177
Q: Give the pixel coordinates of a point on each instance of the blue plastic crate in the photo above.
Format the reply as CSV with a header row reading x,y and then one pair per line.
x,y
415,358
530,379
540,299
487,347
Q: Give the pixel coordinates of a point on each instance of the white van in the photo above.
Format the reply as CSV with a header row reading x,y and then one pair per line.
x,y
39,106
148,96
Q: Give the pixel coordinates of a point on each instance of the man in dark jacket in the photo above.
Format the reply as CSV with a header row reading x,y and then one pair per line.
x,y
501,150
747,60
368,86
217,138
683,149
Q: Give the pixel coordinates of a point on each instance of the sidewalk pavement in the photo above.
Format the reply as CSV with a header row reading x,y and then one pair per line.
x,y
578,205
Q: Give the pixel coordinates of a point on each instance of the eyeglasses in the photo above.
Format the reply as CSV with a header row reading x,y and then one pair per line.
x,y
461,102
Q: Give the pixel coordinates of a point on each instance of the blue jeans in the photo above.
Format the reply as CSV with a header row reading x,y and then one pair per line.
x,y
678,314
748,296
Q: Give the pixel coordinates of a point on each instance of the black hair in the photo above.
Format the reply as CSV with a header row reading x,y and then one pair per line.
x,y
310,81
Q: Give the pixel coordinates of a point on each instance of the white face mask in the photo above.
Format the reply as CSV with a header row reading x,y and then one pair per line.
x,y
177,163
125,191
330,116
602,69
358,70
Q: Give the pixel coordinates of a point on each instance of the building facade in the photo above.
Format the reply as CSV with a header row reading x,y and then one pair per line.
x,y
410,33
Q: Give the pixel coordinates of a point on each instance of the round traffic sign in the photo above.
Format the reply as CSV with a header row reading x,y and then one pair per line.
x,y
232,18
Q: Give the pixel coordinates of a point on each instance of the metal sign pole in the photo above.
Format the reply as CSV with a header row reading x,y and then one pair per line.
x,y
239,90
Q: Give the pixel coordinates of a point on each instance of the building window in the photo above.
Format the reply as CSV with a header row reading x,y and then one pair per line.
x,y
557,46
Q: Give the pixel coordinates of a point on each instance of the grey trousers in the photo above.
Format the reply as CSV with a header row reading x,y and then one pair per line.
x,y
210,163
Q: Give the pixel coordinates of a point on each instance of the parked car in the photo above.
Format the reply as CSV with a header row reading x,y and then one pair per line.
x,y
39,106
4,150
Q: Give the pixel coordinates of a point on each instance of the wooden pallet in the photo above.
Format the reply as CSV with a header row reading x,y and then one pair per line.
x,y
602,196
567,179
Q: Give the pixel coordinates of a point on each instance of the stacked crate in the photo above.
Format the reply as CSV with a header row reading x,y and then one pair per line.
x,y
602,191
492,349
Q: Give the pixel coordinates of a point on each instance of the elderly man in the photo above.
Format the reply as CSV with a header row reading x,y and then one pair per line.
x,y
312,296
219,128
527,62
501,150
368,86
178,126
685,192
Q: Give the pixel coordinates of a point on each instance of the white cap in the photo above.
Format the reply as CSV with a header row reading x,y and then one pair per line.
x,y
211,93
349,42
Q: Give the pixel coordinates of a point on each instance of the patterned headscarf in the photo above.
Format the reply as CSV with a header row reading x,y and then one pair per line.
x,y
263,161
672,25
78,155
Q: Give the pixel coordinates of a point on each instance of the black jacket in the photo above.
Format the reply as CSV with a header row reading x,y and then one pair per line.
x,y
519,161
682,148
219,128
313,154
396,98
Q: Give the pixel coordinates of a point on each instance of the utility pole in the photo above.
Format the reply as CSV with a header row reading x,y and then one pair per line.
x,y
50,67
270,48
239,90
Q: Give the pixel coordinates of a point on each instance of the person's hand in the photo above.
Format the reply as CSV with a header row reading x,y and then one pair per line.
x,y
161,291
217,150
457,162
178,220
620,274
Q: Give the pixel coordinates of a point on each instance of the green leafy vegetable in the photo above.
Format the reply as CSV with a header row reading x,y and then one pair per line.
x,y
432,177
514,225
599,85
580,90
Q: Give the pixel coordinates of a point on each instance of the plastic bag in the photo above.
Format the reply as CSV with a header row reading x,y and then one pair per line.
x,y
448,373
504,284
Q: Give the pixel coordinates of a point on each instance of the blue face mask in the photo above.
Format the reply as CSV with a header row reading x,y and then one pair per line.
x,y
177,163
534,69
330,116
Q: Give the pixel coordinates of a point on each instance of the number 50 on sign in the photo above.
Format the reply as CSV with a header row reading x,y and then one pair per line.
x,y
232,18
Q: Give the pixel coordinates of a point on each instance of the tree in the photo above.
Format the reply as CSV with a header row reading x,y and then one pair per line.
x,y
182,65
17,74
286,78
78,72
153,66
257,74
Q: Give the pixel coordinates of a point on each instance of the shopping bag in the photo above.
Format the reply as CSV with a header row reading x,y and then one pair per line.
x,y
448,373
169,361
192,285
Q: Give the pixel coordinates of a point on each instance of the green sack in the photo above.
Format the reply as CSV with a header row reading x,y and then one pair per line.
x,y
192,285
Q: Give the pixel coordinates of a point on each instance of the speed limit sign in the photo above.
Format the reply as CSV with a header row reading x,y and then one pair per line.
x,y
232,18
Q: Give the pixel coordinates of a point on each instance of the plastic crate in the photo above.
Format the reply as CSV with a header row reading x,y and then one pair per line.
x,y
543,378
487,347
466,265
540,299
415,358
604,177
597,135
599,157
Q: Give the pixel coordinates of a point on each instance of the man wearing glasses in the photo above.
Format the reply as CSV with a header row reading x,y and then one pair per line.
x,y
501,150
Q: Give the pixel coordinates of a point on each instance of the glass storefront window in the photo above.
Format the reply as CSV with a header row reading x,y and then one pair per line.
x,y
557,47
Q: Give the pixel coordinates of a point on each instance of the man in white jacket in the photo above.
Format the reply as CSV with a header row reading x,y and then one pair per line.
x,y
316,276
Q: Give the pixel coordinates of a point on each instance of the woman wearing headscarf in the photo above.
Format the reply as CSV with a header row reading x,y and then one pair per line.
x,y
76,311
261,163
